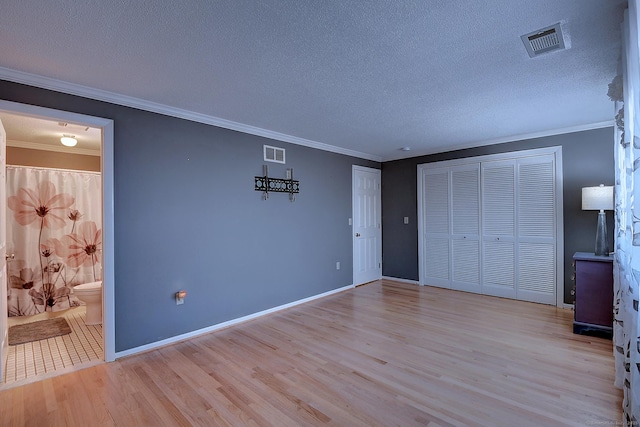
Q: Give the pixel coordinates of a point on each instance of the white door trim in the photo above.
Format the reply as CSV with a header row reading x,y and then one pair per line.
x,y
378,172
108,278
4,271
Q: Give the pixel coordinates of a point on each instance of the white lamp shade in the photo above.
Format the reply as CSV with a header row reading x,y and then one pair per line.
x,y
597,198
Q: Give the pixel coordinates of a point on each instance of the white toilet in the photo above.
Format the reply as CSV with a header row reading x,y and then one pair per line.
x,y
91,295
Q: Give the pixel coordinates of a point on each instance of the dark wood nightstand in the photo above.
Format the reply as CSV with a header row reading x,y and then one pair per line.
x,y
594,294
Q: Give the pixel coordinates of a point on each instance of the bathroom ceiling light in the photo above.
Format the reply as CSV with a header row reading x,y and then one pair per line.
x,y
405,149
69,140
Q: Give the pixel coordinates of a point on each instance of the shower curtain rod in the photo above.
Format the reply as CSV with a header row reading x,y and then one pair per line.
x,y
53,169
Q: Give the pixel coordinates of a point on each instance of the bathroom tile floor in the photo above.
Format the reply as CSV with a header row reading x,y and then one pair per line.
x,y
54,356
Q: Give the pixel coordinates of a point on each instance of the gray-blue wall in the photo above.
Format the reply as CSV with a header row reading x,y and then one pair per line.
x,y
187,217
587,160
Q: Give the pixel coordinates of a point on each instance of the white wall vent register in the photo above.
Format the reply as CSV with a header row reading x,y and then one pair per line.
x,y
274,154
544,40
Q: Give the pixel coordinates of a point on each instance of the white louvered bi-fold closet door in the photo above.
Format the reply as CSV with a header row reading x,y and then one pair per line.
x,y
537,236
499,228
436,236
465,228
491,226
451,224
519,228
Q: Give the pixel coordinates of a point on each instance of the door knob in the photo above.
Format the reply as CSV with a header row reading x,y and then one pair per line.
x,y
9,257
357,234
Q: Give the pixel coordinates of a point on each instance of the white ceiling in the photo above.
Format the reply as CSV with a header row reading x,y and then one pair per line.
x,y
362,77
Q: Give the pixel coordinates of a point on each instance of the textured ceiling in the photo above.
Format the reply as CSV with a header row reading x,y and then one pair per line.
x,y
368,76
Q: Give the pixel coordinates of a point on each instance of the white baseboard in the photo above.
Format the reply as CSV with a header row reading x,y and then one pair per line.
x,y
568,306
395,279
226,324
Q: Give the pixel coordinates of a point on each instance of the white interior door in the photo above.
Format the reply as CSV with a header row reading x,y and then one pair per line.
x,y
367,225
3,252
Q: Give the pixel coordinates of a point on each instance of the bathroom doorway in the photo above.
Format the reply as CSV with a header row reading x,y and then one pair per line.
x,y
87,344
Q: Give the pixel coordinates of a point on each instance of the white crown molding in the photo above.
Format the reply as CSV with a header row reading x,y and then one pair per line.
x,y
513,138
47,147
128,101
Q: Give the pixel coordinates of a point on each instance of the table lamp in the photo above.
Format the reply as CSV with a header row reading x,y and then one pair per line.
x,y
599,199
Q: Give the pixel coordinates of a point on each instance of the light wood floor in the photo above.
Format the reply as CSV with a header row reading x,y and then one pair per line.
x,y
384,354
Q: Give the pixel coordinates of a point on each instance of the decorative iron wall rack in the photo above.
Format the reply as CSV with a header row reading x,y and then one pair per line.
x,y
267,185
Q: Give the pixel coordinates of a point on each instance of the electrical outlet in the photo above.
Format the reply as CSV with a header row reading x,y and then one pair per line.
x,y
406,220
350,221
338,265
180,296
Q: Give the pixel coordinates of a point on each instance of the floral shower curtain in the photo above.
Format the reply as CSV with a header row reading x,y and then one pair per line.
x,y
625,91
54,230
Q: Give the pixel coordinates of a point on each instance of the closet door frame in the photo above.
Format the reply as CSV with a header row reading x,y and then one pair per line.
x,y
559,255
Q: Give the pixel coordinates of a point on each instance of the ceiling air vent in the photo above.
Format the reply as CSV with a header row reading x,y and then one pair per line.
x,y
544,40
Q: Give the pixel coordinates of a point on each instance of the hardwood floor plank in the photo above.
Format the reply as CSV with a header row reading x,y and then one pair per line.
x,y
383,354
